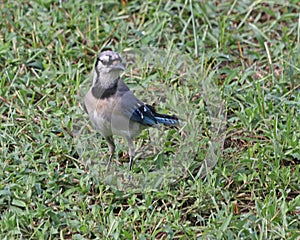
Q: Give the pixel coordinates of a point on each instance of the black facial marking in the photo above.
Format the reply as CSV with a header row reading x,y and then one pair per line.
x,y
97,61
96,69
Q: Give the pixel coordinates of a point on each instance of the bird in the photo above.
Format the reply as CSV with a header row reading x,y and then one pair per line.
x,y
114,109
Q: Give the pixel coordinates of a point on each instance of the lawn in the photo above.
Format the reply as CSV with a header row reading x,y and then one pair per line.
x,y
230,70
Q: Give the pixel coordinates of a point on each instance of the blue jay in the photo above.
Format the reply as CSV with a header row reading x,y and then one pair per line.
x,y
114,109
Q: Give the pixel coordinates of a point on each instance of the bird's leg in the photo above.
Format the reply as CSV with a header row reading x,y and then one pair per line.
x,y
131,152
111,147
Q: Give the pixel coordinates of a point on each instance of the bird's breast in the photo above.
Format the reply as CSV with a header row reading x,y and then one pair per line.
x,y
107,115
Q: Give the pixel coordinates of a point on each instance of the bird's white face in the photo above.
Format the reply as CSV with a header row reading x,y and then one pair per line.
x,y
108,62
108,69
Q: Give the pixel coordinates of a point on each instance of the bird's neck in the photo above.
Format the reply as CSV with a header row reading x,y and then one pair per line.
x,y
106,80
104,86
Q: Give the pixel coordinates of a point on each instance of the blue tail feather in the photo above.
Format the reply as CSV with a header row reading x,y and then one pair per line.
x,y
168,120
164,118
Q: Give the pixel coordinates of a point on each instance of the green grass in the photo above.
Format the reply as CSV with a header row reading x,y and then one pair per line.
x,y
228,69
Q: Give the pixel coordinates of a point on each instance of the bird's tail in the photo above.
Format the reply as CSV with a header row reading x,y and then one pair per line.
x,y
166,119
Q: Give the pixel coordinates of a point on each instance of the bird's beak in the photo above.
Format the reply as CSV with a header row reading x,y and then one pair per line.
x,y
119,66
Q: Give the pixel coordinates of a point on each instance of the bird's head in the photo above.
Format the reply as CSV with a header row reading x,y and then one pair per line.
x,y
109,62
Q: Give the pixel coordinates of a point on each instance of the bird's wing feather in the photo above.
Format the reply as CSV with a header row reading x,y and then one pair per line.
x,y
143,115
134,109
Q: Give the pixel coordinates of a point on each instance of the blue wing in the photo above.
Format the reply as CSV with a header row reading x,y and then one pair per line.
x,y
144,116
147,115
140,112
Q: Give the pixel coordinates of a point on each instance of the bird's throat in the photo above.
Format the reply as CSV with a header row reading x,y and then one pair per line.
x,y
102,89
